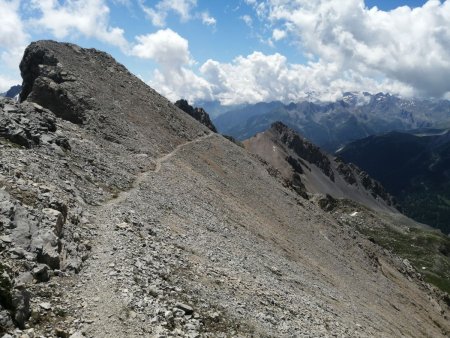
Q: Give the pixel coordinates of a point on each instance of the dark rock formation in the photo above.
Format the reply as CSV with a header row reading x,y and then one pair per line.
x,y
88,87
29,125
197,113
303,148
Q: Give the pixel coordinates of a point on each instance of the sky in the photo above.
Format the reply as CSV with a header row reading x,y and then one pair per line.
x,y
248,51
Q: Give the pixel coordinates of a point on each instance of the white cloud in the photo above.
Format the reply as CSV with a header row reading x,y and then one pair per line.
x,y
13,37
165,47
207,19
89,18
7,82
159,12
174,78
12,32
410,47
278,34
259,77
254,78
177,83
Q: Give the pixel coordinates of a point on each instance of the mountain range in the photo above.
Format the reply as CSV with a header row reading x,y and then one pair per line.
x,y
122,215
331,125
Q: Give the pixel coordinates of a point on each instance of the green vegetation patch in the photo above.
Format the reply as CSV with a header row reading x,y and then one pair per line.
x,y
427,250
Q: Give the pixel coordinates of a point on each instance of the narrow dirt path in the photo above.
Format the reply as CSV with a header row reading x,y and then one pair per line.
x,y
105,308
143,175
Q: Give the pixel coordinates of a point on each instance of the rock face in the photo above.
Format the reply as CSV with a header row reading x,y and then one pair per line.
x,y
308,169
197,113
151,225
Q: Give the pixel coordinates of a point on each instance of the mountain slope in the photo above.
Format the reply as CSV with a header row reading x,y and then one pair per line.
x,y
414,167
303,164
331,125
172,230
353,198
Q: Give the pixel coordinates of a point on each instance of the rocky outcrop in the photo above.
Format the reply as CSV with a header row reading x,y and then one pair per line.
x,y
197,113
29,125
47,83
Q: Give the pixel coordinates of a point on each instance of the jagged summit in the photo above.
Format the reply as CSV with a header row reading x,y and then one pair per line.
x,y
122,216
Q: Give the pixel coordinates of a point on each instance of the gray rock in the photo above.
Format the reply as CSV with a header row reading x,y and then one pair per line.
x,y
5,320
6,239
55,218
21,304
41,273
25,278
45,243
6,286
45,305
186,308
17,252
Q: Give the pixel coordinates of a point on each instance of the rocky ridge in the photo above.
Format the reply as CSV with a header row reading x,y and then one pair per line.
x,y
309,170
164,229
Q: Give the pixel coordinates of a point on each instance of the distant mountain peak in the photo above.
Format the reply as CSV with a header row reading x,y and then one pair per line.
x,y
12,92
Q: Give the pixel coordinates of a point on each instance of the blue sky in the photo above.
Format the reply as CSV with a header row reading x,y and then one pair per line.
x,y
248,50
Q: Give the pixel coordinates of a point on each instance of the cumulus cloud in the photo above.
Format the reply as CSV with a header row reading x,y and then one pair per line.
x,y
410,46
89,18
260,77
174,78
166,47
159,12
13,37
278,34
351,48
12,31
